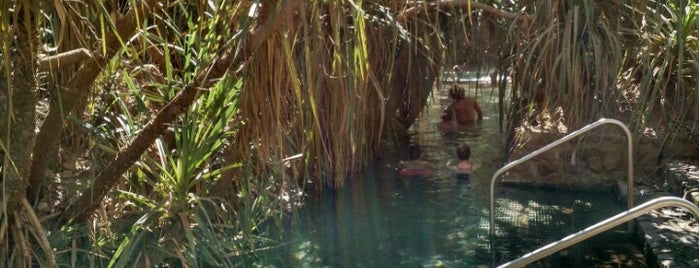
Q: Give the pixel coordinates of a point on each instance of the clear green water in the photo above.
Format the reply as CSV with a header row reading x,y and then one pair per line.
x,y
382,220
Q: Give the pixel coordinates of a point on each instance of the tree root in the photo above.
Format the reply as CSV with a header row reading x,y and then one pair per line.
x,y
20,253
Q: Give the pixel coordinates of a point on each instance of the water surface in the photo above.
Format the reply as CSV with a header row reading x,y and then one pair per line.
x,y
382,220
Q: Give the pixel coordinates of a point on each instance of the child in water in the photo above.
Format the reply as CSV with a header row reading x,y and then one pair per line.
x,y
447,124
464,166
416,166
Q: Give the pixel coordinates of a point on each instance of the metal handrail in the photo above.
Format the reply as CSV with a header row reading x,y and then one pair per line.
x,y
570,136
601,227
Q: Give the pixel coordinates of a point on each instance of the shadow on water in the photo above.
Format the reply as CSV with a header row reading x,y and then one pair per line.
x,y
382,220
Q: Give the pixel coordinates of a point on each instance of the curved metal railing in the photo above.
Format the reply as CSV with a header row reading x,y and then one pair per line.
x,y
601,227
565,138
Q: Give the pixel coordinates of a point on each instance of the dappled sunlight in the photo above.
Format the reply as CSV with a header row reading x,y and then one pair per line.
x,y
305,254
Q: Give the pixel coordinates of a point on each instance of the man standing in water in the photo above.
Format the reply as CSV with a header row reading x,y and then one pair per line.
x,y
466,109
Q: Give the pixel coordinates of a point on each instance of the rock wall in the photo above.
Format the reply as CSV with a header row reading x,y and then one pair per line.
x,y
593,162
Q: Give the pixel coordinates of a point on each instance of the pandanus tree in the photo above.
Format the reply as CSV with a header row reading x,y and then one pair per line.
x,y
21,43
577,61
659,76
615,66
158,99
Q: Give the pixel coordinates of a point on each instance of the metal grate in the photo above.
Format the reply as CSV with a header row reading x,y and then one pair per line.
x,y
526,220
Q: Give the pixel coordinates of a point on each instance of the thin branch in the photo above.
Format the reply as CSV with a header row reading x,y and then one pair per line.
x,y
415,7
91,198
75,91
54,62
39,232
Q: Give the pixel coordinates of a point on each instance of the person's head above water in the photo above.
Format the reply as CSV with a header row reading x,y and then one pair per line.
x,y
463,152
447,114
414,152
457,92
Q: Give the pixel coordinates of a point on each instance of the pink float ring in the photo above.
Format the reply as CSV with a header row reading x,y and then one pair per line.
x,y
411,172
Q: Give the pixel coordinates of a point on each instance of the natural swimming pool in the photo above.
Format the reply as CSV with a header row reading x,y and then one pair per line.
x,y
382,220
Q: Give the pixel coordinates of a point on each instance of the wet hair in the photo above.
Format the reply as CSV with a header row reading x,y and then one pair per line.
x,y
414,152
457,92
463,152
453,91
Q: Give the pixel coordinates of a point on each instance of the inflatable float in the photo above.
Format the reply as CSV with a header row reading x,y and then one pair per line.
x,y
411,172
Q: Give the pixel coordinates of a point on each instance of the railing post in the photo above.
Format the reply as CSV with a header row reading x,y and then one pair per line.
x,y
601,227
602,121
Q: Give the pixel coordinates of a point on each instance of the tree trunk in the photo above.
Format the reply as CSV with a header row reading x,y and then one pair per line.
x,y
92,197
22,112
414,75
18,220
65,102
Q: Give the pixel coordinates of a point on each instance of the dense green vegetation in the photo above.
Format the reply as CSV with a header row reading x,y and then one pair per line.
x,y
180,131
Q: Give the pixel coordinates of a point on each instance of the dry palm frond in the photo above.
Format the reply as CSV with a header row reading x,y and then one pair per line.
x,y
570,63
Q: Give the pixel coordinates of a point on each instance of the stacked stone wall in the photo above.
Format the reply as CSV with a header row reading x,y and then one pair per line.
x,y
595,162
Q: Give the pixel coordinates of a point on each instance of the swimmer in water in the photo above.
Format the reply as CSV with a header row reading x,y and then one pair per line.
x,y
464,166
465,108
416,165
447,124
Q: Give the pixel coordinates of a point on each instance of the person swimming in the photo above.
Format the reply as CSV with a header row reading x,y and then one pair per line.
x,y
416,166
464,166
447,124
